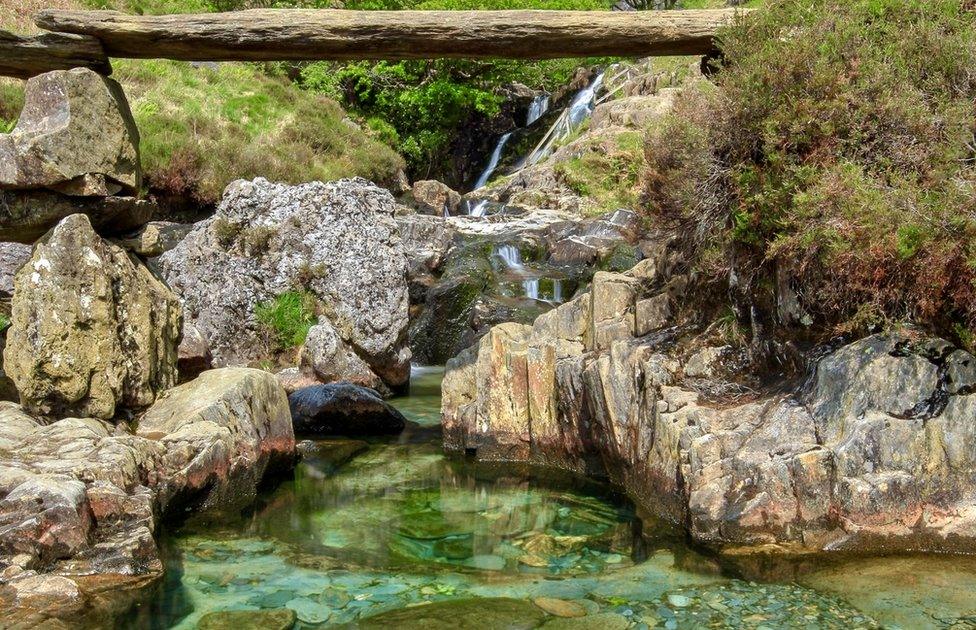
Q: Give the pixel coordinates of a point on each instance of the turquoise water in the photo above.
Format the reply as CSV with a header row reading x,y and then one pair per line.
x,y
402,527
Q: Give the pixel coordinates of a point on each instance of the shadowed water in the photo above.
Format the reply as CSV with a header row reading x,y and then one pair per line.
x,y
402,524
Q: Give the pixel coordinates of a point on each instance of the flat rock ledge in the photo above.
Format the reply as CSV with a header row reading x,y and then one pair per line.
x,y
877,452
80,498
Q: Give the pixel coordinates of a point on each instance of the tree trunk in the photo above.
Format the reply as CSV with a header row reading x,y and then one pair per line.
x,y
298,34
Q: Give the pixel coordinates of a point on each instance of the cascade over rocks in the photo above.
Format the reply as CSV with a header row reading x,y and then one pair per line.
x,y
877,452
75,135
92,329
338,241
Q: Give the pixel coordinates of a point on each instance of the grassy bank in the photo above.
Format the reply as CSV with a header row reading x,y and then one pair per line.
x,y
832,159
203,127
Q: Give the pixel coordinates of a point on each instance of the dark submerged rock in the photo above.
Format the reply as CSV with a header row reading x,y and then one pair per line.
x,y
343,409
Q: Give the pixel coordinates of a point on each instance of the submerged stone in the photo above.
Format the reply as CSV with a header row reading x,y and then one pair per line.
x,y
602,621
462,614
560,607
278,619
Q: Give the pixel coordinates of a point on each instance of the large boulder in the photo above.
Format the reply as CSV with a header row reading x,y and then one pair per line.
x,y
434,197
221,434
92,329
343,409
75,135
337,241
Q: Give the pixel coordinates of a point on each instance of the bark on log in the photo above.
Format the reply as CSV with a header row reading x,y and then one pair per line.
x,y
26,56
302,34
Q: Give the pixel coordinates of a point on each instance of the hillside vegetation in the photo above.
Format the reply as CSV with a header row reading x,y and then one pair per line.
x,y
832,158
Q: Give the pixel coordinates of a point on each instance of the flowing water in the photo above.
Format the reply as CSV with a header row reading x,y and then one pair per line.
x,y
402,525
496,156
537,109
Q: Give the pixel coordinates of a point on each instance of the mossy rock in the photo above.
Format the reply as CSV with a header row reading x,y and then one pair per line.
x,y
277,619
462,614
621,258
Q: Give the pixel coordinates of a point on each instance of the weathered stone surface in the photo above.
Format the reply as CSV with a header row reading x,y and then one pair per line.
x,y
338,241
879,453
26,215
23,56
155,238
221,433
112,340
193,353
75,135
343,409
330,359
434,197
13,256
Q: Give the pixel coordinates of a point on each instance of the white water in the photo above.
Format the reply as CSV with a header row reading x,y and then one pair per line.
x,y
531,288
537,109
496,156
477,209
581,106
511,256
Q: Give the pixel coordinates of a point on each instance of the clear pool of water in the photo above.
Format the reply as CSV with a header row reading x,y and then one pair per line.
x,y
402,525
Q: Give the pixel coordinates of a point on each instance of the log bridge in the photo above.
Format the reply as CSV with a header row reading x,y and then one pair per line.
x,y
90,38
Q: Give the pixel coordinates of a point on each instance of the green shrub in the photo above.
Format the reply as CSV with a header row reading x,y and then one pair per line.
x,y
288,317
837,147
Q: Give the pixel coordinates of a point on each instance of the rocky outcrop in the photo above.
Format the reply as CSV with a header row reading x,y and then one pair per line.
x,y
112,339
343,409
75,136
878,451
13,256
81,496
505,268
336,241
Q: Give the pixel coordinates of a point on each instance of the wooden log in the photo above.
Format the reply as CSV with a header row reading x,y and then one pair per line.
x,y
25,56
310,34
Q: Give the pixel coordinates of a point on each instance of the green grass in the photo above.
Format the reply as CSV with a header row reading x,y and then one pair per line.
x,y
202,128
607,171
288,317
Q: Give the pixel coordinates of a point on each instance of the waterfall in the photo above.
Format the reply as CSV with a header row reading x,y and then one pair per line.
x,y
582,104
511,256
537,109
496,155
557,291
531,288
477,209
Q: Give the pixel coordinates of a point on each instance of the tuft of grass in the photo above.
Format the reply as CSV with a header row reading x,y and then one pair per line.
x,y
288,317
607,171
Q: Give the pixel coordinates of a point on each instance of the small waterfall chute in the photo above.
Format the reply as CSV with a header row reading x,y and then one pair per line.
x,y
496,156
579,109
511,256
537,109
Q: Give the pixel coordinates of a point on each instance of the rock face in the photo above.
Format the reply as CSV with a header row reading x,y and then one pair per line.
x,y
13,256
433,197
879,451
111,342
337,241
343,409
26,215
82,496
75,135
467,275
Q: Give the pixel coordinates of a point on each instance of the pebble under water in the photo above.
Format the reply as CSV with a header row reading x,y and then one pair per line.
x,y
413,538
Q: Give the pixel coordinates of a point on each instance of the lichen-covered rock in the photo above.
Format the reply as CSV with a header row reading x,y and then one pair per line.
x,y
221,433
13,256
92,329
193,354
338,241
75,135
331,360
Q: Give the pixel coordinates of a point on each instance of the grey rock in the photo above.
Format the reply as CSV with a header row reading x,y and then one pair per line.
x,y
337,241
155,238
13,256
343,409
435,197
26,215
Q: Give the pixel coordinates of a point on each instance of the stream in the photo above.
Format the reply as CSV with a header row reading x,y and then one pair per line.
x,y
401,525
